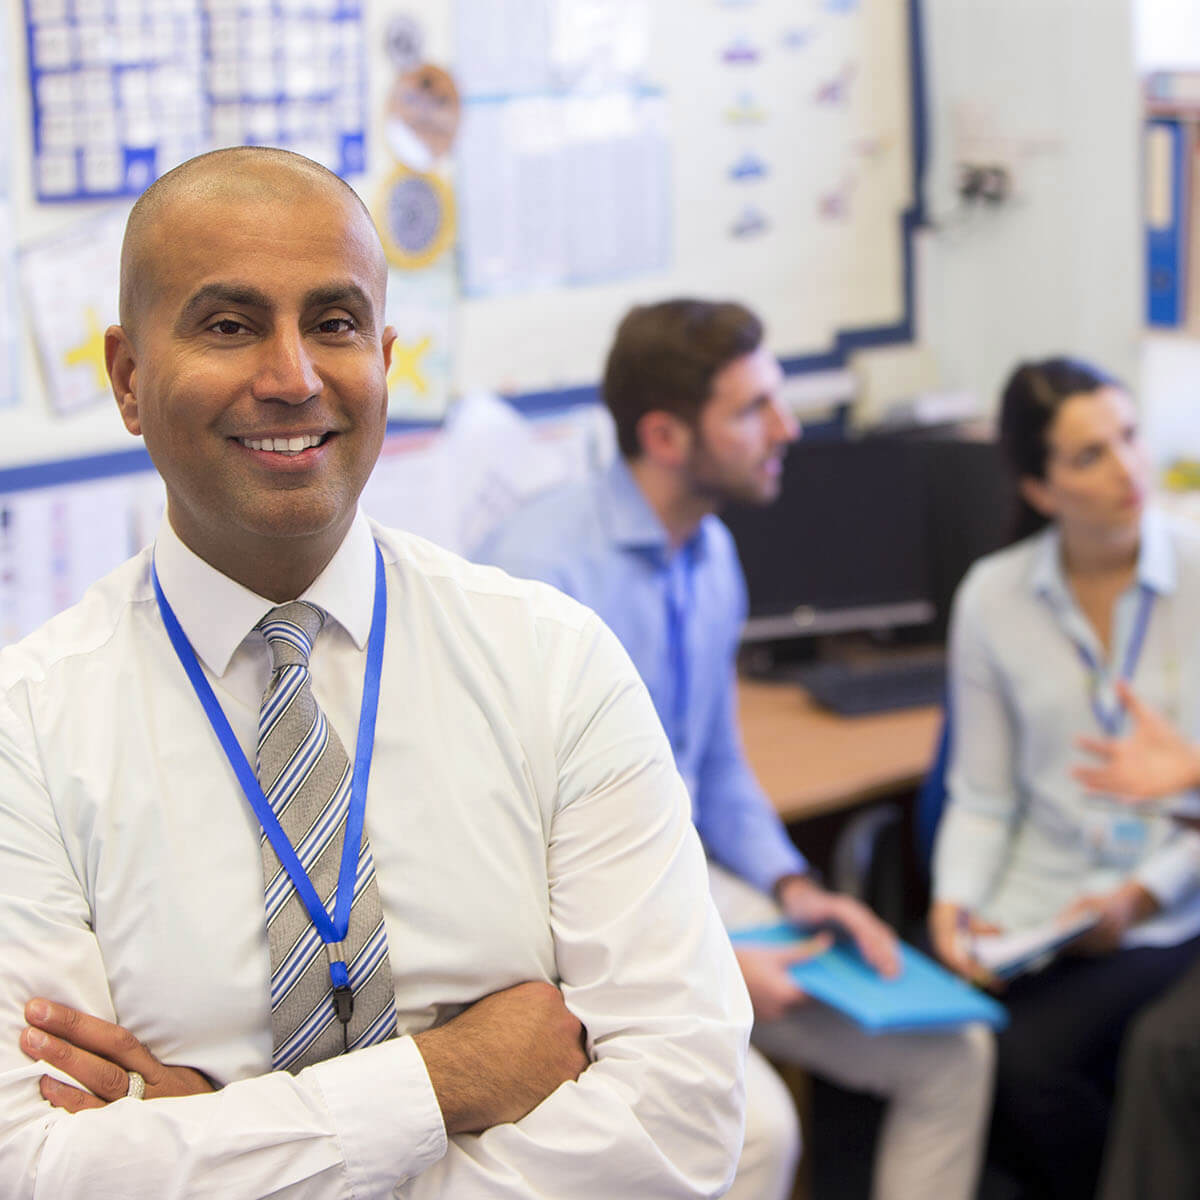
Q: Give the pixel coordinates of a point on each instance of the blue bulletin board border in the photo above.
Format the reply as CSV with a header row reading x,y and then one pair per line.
x,y
124,462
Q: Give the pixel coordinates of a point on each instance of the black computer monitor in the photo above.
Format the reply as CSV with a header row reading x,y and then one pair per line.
x,y
971,502
871,534
845,547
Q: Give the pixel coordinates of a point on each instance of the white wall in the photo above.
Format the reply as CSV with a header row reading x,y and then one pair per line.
x,y
1166,34
1050,87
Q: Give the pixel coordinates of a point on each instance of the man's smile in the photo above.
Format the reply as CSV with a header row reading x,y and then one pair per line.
x,y
295,444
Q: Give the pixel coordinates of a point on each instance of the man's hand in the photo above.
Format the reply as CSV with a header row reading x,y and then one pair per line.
x,y
1119,910
952,930
806,903
765,970
1152,760
500,1058
100,1055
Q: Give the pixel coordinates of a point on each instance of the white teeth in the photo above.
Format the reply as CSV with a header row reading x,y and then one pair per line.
x,y
281,445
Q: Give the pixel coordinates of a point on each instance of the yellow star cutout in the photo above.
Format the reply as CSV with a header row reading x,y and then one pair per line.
x,y
406,364
90,350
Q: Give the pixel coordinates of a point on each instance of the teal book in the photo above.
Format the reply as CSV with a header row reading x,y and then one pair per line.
x,y
924,996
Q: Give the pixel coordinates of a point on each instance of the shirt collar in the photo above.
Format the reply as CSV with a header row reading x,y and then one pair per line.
x,y
1155,565
217,612
629,518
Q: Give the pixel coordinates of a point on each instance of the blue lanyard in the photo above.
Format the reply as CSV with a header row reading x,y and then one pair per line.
x,y
1110,720
679,602
332,930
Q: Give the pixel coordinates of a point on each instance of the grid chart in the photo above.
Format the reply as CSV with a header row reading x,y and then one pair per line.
x,y
123,90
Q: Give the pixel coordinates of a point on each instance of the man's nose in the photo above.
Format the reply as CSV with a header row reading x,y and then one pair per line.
x,y
286,371
785,427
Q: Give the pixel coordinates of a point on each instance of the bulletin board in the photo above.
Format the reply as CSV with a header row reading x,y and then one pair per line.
x,y
598,153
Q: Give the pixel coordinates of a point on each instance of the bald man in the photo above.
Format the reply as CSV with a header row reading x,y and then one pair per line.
x,y
332,865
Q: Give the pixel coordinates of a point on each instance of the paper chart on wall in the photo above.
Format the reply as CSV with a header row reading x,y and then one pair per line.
x,y
563,156
56,542
9,322
69,284
420,307
123,91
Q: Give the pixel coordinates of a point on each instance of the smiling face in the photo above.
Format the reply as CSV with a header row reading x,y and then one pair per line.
x,y
255,366
1096,473
742,433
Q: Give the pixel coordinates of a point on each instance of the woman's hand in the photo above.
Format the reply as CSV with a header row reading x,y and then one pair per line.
x,y
1119,910
953,930
1152,760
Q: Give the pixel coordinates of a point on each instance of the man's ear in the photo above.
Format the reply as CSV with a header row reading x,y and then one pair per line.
x,y
664,437
388,342
1037,495
121,361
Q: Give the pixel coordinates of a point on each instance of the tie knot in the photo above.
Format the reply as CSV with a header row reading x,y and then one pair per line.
x,y
290,630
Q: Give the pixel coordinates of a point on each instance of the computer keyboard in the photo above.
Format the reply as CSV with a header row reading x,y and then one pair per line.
x,y
854,689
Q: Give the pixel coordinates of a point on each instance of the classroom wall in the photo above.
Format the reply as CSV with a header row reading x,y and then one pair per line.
x,y
1049,88
827,85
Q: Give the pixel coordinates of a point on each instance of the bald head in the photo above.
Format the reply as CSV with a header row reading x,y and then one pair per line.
x,y
237,175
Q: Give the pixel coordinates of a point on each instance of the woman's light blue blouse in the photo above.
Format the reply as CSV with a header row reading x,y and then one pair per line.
x,y
1020,839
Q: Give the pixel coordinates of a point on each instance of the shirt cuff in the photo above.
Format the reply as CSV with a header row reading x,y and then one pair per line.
x,y
1172,874
385,1114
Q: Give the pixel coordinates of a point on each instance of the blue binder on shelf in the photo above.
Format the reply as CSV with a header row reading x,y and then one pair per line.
x,y
1166,213
923,997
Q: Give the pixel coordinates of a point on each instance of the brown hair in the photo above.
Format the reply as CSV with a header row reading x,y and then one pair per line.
x,y
665,357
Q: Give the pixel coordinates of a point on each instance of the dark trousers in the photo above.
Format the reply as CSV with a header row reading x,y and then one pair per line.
x,y
1153,1150
1057,1062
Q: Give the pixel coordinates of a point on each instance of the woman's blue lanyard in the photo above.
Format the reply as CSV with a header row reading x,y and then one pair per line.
x,y
1110,719
333,929
679,603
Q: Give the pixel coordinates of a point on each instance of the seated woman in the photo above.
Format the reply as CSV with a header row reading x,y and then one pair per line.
x,y
1154,1139
1098,589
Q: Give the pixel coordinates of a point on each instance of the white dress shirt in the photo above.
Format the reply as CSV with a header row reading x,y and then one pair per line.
x,y
1020,838
526,823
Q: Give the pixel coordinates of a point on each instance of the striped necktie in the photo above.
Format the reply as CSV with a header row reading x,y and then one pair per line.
x,y
306,775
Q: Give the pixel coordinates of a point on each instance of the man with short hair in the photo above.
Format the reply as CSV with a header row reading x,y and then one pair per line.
x,y
700,421
332,865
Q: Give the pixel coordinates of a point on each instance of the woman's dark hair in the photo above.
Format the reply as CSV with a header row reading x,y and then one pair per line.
x,y
1034,393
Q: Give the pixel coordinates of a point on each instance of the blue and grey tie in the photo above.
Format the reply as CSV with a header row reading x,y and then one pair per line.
x,y
306,775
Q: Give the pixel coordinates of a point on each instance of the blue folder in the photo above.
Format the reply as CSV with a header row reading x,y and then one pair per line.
x,y
1166,230
924,996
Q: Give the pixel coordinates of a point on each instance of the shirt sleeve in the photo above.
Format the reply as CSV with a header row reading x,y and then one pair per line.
x,y
351,1127
981,799
736,821
1172,873
644,964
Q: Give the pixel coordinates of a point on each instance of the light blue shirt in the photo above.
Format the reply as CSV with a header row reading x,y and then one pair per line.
x,y
599,541
1020,838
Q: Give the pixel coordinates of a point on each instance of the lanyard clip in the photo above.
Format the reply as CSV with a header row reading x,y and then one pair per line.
x,y
343,1002
339,978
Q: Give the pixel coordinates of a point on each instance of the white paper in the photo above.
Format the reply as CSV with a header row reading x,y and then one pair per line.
x,y
563,190
500,463
1011,953
70,285
420,307
412,488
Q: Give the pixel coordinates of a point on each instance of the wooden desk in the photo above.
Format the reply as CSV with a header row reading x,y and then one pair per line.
x,y
812,762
